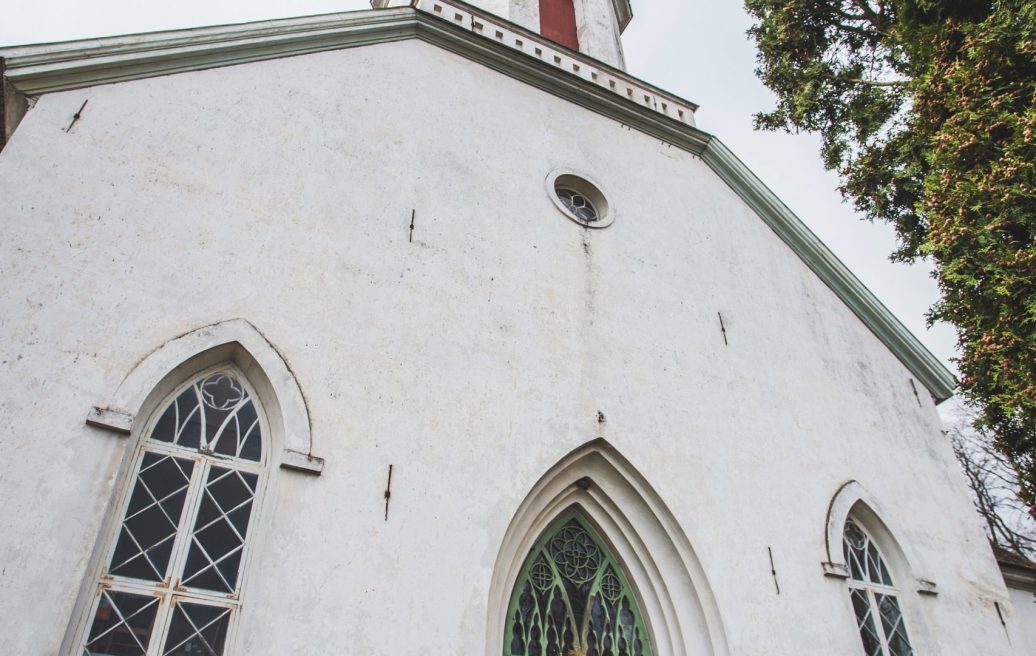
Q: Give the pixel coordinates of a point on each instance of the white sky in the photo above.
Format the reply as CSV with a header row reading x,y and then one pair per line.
x,y
696,49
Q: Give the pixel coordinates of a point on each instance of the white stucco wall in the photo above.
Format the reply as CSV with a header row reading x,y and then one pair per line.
x,y
525,13
1023,626
472,358
598,31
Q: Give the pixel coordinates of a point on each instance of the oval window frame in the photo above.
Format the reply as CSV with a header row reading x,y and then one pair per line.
x,y
587,186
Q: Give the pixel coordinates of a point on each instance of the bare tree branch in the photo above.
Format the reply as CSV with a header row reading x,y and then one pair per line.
x,y
994,484
877,18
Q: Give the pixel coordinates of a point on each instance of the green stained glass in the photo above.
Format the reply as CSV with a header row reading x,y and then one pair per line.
x,y
572,599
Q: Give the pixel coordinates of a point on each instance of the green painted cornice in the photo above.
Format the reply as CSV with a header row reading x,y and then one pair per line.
x,y
47,68
33,70
790,228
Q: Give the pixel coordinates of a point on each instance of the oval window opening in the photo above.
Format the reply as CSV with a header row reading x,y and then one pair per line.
x,y
580,200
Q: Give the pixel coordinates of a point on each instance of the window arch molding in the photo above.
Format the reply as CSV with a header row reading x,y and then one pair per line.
x,y
236,342
854,502
679,610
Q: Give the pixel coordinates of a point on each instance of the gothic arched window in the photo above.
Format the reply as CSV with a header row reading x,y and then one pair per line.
x,y
572,597
874,597
172,582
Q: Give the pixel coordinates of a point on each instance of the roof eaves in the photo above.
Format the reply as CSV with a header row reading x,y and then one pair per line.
x,y
47,68
1019,578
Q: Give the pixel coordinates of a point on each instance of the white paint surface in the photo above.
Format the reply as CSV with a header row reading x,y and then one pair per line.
x,y
1023,626
472,358
695,48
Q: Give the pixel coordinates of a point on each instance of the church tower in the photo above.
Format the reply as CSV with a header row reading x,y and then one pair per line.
x,y
592,27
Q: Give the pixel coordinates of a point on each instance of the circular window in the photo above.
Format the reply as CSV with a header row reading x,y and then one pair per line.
x,y
579,199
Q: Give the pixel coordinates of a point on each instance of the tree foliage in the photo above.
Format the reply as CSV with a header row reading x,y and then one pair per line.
x,y
927,109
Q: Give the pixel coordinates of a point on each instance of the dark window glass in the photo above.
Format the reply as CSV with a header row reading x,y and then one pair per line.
x,y
122,624
220,528
878,614
215,415
892,623
579,205
152,518
197,630
871,641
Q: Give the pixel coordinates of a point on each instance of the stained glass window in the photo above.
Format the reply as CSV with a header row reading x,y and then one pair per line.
x,y
873,596
578,204
173,579
572,599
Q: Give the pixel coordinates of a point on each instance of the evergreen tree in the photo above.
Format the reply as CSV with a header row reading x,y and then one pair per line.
x,y
927,109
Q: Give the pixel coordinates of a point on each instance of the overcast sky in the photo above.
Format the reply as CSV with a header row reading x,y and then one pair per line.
x,y
696,49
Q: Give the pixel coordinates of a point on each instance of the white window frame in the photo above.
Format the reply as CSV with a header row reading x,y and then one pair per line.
x,y
170,591
872,589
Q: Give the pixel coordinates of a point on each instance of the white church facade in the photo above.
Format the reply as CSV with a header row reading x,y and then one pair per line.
x,y
431,330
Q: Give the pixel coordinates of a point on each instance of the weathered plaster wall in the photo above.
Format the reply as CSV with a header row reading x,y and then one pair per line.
x,y
1023,629
526,13
598,31
472,358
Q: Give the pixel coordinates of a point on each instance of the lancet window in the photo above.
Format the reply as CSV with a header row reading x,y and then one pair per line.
x,y
874,597
172,582
572,599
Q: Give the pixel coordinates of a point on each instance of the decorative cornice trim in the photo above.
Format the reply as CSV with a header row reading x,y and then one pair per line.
x,y
31,70
73,65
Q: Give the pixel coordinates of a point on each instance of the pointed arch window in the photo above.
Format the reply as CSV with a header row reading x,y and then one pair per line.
x,y
874,597
572,597
172,581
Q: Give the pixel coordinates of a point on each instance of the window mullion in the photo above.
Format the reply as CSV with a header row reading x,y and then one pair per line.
x,y
879,625
193,504
165,609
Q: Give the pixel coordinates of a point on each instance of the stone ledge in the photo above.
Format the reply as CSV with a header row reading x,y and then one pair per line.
x,y
301,462
113,420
